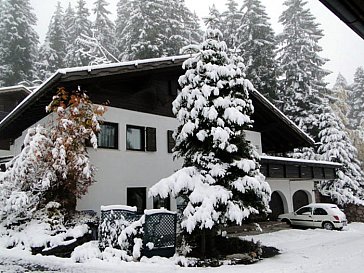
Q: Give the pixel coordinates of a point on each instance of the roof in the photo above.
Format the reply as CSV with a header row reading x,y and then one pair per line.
x,y
105,80
15,88
351,12
288,160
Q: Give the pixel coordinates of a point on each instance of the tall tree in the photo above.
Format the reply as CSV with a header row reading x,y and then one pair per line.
x,y
19,41
69,21
257,43
302,86
214,19
231,22
356,100
122,17
339,100
337,147
220,179
81,26
104,28
53,52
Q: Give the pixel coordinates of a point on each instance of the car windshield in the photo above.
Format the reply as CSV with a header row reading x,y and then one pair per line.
x,y
304,210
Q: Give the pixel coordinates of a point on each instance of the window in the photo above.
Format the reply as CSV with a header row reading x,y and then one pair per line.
x,y
170,141
319,211
108,136
137,197
161,203
141,138
304,211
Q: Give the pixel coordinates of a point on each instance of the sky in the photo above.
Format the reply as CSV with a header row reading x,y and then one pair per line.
x,y
343,47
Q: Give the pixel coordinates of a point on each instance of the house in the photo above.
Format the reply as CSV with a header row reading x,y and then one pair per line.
x,y
10,97
136,138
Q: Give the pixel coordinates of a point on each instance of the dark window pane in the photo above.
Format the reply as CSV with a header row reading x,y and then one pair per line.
x,y
171,142
134,138
151,139
108,136
319,211
137,197
303,210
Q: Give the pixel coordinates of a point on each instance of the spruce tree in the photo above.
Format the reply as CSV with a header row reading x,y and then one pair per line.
x,y
356,100
339,101
81,26
337,147
53,52
214,19
302,86
69,21
231,22
104,28
122,17
19,41
220,179
257,43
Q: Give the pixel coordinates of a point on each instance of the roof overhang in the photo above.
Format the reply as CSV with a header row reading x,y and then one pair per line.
x,y
15,88
351,12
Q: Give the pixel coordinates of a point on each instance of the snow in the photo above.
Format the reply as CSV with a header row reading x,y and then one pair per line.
x,y
312,250
118,207
155,211
297,160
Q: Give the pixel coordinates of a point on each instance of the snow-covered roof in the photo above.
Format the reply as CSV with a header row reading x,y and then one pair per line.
x,y
15,88
301,161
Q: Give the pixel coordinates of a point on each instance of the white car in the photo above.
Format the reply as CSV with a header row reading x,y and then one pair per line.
x,y
327,216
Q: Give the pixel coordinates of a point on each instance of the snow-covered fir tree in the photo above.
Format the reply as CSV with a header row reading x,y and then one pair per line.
x,y
220,180
302,86
81,25
231,22
153,28
69,19
339,102
122,17
214,18
103,26
336,146
356,100
257,43
53,52
19,42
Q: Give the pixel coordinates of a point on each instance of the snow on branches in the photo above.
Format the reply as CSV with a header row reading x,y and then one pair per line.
x,y
53,165
220,179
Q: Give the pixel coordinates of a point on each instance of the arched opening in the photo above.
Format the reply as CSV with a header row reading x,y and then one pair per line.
x,y
300,198
277,205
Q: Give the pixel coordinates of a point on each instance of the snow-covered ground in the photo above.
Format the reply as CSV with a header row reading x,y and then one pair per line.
x,y
309,250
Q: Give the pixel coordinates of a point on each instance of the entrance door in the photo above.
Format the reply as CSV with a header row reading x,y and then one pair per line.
x,y
300,199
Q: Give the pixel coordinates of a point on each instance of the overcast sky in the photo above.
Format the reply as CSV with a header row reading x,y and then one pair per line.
x,y
341,45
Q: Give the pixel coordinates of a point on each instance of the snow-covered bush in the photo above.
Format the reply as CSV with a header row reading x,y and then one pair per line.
x,y
220,179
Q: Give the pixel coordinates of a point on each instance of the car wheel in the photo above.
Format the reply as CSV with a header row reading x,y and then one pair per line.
x,y
328,226
287,221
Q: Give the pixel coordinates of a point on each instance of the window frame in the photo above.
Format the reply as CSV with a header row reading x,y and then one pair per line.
x,y
116,135
142,137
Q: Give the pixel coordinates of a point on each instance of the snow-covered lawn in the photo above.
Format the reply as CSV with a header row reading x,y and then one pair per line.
x,y
302,251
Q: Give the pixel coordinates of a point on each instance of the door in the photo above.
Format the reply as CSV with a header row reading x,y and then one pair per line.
x,y
303,217
318,216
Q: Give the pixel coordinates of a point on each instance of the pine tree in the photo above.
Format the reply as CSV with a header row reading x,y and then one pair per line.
x,y
339,104
231,22
337,147
257,43
302,86
220,179
356,100
53,52
19,41
80,26
122,17
104,28
69,21
214,19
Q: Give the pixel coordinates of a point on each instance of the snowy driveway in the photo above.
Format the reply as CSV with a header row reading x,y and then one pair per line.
x,y
315,251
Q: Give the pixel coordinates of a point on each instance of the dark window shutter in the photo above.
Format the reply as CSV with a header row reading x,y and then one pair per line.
x,y
151,139
171,142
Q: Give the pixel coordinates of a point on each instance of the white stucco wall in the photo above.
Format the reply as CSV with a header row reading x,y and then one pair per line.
x,y
287,188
